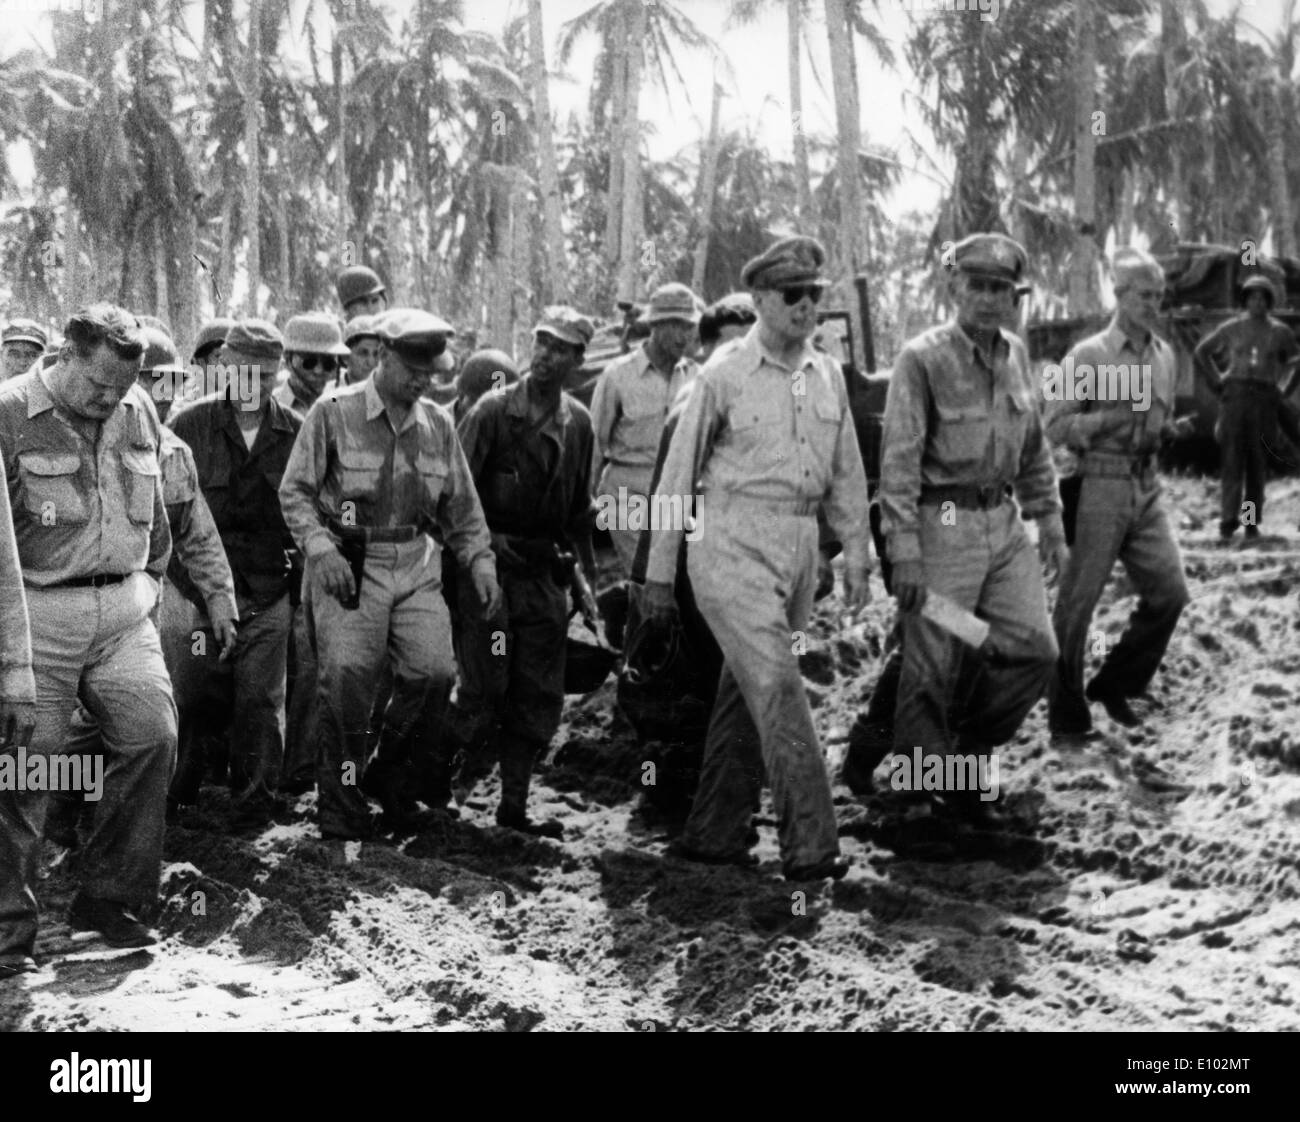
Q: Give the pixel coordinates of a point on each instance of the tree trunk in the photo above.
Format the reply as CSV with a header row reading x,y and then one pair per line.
x,y
226,264
285,262
521,237
252,131
499,329
188,243
618,113
1127,207
704,197
849,134
629,236
555,287
1083,264
794,60
1171,35
340,158
1279,192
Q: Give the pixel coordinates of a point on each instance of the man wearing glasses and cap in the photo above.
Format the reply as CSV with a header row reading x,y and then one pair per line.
x,y
529,448
766,439
80,445
962,435
22,342
376,472
313,353
630,406
241,453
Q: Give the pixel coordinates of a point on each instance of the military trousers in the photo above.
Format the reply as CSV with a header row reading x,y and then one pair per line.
x,y
754,572
401,615
1119,518
302,719
100,647
984,561
511,692
1247,428
245,692
630,509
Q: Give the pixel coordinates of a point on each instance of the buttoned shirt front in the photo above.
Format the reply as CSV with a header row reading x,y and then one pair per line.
x,y
86,496
752,426
198,566
351,467
1257,350
1085,422
534,480
951,419
241,486
630,406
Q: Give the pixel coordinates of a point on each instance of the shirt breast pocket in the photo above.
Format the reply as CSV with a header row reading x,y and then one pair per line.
x,y
49,485
433,480
141,478
963,434
359,473
757,428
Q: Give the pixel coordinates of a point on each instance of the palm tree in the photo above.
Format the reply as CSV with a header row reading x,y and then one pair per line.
x,y
555,287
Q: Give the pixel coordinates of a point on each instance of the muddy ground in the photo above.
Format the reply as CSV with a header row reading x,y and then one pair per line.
x,y
1149,882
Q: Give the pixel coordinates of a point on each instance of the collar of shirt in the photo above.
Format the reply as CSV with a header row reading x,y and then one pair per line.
x,y
229,424
1117,339
1001,346
752,343
375,406
644,365
517,406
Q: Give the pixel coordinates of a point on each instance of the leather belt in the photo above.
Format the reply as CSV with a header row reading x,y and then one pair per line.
x,y
967,496
95,580
1116,465
376,534
801,508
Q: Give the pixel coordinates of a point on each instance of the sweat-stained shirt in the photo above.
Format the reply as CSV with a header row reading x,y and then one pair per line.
x,y
753,427
84,504
17,682
951,420
1086,425
350,466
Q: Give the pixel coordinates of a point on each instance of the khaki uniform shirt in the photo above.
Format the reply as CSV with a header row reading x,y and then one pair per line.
x,y
1083,425
951,420
753,427
351,466
82,506
630,406
17,683
198,567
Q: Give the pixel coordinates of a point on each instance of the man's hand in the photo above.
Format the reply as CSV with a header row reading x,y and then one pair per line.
x,y
502,549
17,721
657,603
909,585
335,575
857,590
825,576
1053,552
223,627
587,600
1179,429
489,592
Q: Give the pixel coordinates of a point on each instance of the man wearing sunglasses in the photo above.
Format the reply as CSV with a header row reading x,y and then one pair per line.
x,y
963,434
313,354
767,440
375,475
240,454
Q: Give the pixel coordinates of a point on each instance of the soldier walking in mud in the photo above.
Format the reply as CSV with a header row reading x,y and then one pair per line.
x,y
376,471
766,439
962,434
1120,515
1262,356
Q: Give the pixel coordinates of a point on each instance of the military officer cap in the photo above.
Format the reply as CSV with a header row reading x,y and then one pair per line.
x,y
357,282
256,338
995,256
212,334
360,327
418,338
673,303
314,333
566,324
1131,265
159,351
789,263
25,331
1258,282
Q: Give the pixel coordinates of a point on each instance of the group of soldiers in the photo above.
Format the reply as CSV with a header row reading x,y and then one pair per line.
x,y
288,579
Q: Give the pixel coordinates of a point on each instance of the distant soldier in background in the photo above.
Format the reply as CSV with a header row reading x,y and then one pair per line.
x,y
724,320
22,342
360,291
361,337
630,406
210,338
483,372
1262,357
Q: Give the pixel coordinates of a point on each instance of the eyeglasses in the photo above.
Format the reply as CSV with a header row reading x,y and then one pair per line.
x,y
327,363
792,296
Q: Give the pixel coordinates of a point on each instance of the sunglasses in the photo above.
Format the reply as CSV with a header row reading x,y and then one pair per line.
x,y
792,296
327,363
